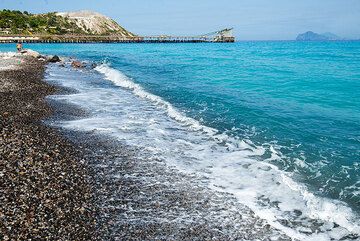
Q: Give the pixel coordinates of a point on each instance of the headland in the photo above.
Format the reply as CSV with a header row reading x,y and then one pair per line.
x,y
86,27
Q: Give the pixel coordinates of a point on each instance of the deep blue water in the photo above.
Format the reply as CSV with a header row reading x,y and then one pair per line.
x,y
299,102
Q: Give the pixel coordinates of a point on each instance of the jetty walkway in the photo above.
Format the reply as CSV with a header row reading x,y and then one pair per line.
x,y
222,36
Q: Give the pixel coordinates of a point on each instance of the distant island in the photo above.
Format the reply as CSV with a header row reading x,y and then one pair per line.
x,y
311,36
80,23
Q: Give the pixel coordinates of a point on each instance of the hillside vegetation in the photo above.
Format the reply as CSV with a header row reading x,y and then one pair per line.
x,y
17,22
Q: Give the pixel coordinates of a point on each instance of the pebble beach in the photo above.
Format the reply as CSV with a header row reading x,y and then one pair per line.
x,y
86,153
44,188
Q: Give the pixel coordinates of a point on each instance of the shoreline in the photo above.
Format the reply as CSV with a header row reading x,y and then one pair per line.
x,y
113,191
44,188
145,198
73,185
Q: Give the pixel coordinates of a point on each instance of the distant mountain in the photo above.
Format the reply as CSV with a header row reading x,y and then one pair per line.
x,y
331,36
80,23
311,36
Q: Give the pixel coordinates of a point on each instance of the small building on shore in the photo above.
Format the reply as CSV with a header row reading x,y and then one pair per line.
x,y
4,31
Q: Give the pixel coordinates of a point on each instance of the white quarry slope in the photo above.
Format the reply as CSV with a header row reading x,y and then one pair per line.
x,y
95,23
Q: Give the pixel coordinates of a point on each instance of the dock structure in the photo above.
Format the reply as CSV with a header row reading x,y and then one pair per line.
x,y
222,36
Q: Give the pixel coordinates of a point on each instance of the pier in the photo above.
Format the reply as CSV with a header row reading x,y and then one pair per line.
x,y
222,36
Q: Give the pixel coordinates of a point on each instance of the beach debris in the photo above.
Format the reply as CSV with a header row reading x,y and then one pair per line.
x,y
54,59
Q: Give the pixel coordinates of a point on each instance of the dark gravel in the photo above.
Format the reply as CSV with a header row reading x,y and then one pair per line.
x,y
44,189
142,199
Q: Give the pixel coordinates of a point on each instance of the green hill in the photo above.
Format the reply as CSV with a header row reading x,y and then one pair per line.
x,y
82,22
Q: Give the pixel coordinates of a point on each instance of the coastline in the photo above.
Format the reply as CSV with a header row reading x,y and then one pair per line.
x,y
69,185
45,191
133,194
139,197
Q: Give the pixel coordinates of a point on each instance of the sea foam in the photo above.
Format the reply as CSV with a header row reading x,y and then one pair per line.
x,y
227,164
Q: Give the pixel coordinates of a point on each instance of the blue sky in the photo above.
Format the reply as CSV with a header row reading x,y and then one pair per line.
x,y
252,19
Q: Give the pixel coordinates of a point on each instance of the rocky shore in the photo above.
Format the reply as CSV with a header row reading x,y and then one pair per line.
x,y
44,188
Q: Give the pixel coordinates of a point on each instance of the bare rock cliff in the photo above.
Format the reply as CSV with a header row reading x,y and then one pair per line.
x,y
95,23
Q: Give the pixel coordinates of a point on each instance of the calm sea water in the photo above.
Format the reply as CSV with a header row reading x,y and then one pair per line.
x,y
275,123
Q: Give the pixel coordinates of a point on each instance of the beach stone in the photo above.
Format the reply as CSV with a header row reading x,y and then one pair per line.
x,y
77,64
54,59
41,58
31,53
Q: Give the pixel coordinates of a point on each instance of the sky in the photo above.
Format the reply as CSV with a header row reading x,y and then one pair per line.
x,y
251,19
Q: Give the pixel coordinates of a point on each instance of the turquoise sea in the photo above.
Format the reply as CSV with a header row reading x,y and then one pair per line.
x,y
277,124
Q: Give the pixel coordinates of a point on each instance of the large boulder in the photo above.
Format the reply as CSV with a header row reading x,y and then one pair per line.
x,y
31,53
77,64
54,59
